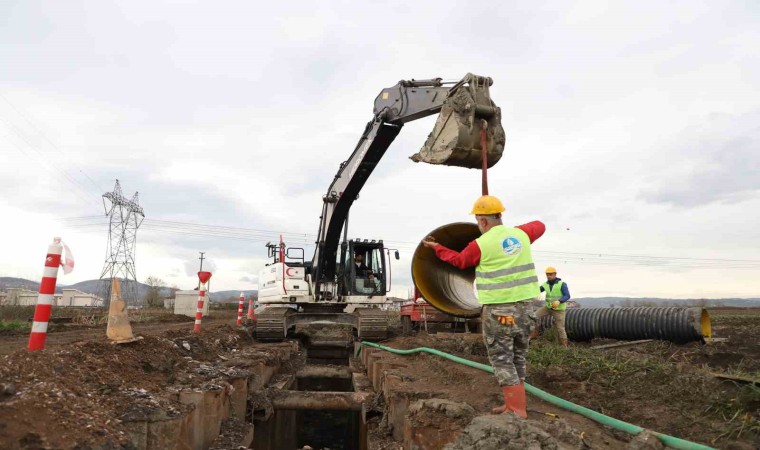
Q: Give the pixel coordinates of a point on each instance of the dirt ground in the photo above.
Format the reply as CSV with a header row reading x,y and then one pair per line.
x,y
78,395
78,391
478,389
658,385
69,333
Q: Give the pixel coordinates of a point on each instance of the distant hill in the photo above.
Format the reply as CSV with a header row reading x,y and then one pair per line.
x,y
11,283
231,296
607,302
99,287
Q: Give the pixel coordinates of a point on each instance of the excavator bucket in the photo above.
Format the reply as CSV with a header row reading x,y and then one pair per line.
x,y
456,137
119,329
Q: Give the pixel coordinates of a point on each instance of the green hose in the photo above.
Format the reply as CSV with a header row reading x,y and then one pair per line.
x,y
670,441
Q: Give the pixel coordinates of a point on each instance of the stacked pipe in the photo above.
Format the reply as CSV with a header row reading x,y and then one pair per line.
x,y
675,324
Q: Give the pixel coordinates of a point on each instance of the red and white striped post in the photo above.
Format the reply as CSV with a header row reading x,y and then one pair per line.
x,y
45,298
203,277
240,310
251,313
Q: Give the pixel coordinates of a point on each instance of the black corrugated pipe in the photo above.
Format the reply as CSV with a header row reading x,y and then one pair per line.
x,y
677,325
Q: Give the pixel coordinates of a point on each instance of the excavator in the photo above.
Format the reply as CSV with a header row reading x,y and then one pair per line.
x,y
353,274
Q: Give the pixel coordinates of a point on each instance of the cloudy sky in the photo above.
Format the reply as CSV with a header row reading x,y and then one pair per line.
x,y
633,132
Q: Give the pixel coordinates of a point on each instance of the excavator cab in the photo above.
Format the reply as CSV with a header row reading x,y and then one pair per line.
x,y
363,268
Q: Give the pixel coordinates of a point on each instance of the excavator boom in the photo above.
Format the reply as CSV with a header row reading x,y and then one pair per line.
x,y
465,108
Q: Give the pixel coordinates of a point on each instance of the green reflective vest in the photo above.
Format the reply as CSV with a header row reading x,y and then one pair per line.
x,y
506,273
554,293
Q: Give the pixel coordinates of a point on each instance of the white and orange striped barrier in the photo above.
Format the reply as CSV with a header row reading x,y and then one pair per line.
x,y
203,277
240,310
47,292
251,312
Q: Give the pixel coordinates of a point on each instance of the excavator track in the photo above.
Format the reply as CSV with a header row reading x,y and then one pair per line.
x,y
372,324
271,324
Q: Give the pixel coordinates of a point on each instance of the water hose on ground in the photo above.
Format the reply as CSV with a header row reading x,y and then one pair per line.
x,y
626,427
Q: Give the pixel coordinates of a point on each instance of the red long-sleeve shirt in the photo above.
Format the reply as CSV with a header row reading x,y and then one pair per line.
x,y
470,256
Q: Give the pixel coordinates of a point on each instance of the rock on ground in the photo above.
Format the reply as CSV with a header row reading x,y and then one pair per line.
x,y
503,432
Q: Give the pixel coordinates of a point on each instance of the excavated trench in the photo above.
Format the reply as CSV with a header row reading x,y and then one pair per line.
x,y
319,406
332,429
285,395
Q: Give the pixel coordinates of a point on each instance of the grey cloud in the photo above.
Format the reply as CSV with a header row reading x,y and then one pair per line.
x,y
252,279
192,266
718,163
128,92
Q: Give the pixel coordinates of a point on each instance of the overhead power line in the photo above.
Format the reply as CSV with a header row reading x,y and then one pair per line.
x,y
46,159
252,235
78,190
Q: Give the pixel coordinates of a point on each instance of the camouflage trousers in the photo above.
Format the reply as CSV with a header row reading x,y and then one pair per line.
x,y
506,332
559,319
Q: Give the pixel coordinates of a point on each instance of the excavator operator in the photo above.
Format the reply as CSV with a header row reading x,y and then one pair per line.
x,y
361,269
507,283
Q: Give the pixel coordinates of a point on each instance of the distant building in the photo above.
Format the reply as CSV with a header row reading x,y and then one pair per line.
x,y
186,303
20,297
75,297
70,297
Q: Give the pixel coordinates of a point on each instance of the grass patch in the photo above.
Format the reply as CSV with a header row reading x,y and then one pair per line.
x,y
14,325
652,390
749,317
586,364
738,412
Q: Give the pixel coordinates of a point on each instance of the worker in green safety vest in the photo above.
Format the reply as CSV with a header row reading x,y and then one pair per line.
x,y
557,295
506,282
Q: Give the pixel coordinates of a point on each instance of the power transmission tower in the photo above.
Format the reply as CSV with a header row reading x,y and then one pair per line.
x,y
126,216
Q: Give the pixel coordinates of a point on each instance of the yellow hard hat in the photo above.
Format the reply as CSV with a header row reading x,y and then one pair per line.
x,y
550,269
486,205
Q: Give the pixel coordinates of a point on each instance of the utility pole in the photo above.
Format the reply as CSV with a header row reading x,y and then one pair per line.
x,y
201,269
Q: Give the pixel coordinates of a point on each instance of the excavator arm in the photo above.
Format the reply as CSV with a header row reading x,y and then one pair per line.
x,y
465,108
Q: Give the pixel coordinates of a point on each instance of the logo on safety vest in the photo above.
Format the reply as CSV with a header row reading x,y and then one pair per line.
x,y
511,246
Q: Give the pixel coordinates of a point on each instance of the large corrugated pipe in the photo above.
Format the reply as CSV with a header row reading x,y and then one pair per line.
x,y
678,325
447,288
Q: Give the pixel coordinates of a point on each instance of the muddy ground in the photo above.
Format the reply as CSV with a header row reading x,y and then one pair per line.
x,y
78,395
78,392
661,386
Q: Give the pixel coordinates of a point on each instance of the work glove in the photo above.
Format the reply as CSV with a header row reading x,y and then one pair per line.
x,y
555,304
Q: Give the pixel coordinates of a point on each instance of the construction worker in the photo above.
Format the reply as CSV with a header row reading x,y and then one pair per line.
x,y
557,295
506,283
361,268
